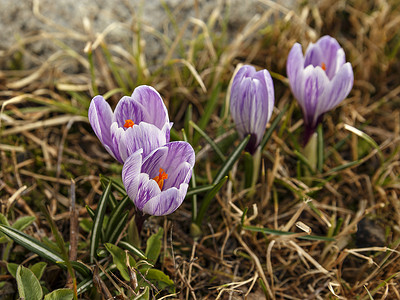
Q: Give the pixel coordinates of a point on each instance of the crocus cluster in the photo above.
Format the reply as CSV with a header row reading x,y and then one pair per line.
x,y
320,80
251,103
156,172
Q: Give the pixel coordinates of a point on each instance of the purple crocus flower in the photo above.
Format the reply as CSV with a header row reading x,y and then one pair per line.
x,y
320,80
251,103
157,183
138,122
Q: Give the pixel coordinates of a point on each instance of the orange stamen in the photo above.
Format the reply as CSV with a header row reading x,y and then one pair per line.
x,y
128,123
160,178
323,66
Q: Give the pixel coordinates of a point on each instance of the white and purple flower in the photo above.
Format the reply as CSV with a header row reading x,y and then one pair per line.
x,y
158,183
251,103
320,80
138,122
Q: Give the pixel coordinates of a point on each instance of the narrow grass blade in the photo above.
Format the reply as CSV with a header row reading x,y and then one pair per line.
x,y
111,198
199,189
231,160
192,180
60,243
116,185
369,294
175,135
343,167
263,287
91,212
271,129
188,118
98,222
92,70
114,68
40,249
112,93
365,137
381,285
115,217
132,249
208,111
207,200
83,99
304,160
209,140
279,232
243,216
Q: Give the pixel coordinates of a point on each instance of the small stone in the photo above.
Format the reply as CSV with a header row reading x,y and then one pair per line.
x,y
369,234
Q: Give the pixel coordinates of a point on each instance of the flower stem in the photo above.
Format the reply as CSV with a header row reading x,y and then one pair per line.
x,y
139,220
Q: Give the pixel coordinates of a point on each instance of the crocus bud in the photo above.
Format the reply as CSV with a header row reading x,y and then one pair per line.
x,y
320,80
251,103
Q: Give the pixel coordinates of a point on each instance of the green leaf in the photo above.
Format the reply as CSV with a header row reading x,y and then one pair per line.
x,y
248,166
382,284
117,214
188,118
132,249
231,160
209,140
92,71
208,111
305,161
28,285
198,190
119,259
85,284
23,222
38,269
30,243
91,212
153,247
116,185
118,227
320,148
268,133
114,69
12,269
220,179
366,137
3,220
145,295
98,222
86,224
160,279
343,167
60,294
133,234
60,242
40,249
279,232
207,200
